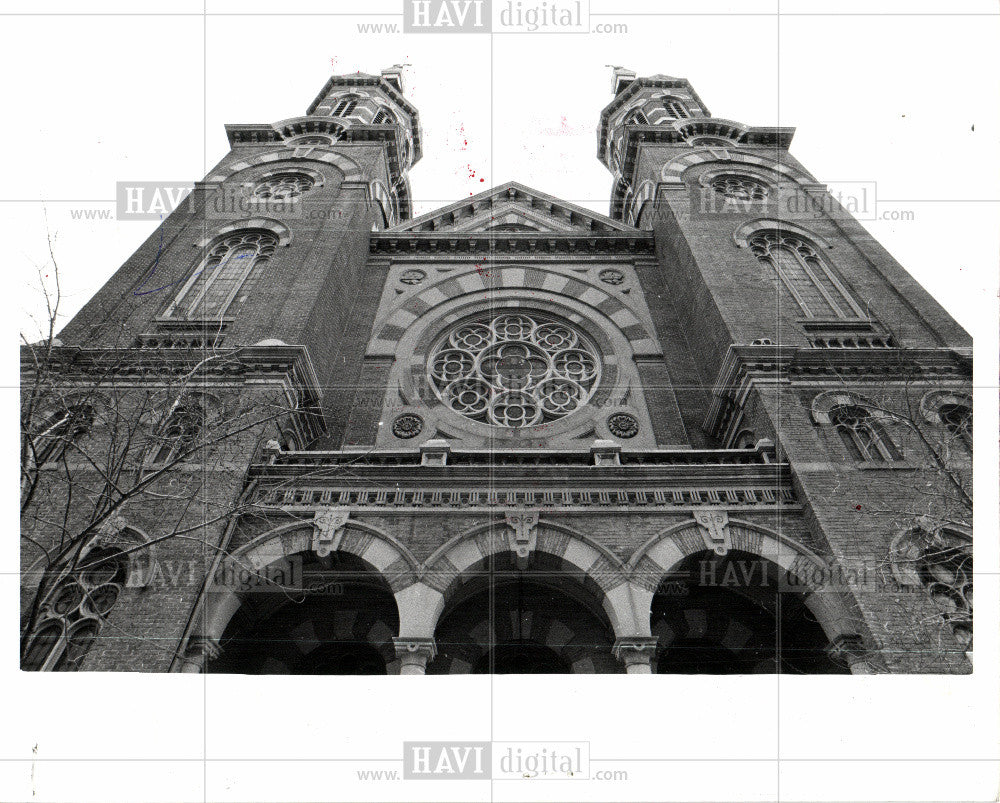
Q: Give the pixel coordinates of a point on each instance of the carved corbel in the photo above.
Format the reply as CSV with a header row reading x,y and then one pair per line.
x,y
715,530
523,534
328,530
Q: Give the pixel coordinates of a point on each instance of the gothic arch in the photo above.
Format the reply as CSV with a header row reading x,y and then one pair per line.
x,y
663,553
352,172
598,568
384,200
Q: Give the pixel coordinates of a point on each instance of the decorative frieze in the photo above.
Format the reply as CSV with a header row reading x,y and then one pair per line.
x,y
550,499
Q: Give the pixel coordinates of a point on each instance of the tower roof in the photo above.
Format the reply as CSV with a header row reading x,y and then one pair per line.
x,y
390,82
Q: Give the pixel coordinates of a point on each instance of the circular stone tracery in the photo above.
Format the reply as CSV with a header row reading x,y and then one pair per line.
x,y
282,187
514,369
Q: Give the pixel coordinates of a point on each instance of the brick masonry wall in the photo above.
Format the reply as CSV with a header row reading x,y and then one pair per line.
x,y
856,509
194,499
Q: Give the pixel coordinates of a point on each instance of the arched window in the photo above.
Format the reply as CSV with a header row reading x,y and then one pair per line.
x,y
740,188
808,279
179,432
61,429
209,292
636,117
957,419
289,443
344,106
676,109
864,437
282,187
939,559
312,140
73,611
384,117
712,142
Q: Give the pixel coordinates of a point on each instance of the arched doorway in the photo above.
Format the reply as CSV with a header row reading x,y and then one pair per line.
x,y
342,623
735,615
546,619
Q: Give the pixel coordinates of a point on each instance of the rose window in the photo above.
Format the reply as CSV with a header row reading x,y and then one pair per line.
x,y
514,369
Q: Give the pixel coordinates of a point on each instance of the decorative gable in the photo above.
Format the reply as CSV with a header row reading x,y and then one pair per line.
x,y
513,207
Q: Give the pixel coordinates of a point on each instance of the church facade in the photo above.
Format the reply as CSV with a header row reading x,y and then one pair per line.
x,y
301,431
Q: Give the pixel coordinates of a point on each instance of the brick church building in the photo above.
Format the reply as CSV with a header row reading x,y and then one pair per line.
x,y
301,431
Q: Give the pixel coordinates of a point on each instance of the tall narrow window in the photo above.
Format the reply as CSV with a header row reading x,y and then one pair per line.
x,y
179,432
344,106
60,430
384,117
864,437
810,282
676,109
215,283
636,118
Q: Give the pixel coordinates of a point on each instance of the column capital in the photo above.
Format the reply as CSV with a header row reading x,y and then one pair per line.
x,y
636,652
414,653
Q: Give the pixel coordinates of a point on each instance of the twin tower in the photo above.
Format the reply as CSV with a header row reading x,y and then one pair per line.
x,y
515,435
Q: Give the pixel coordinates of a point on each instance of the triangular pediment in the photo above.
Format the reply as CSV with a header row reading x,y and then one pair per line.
x,y
513,207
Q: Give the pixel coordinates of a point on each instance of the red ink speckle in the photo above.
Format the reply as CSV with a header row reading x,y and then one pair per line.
x,y
857,507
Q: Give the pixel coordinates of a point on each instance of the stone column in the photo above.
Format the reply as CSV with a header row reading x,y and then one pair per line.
x,y
636,652
413,654
200,650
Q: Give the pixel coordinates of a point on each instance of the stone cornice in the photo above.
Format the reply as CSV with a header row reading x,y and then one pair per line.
x,y
289,364
679,478
745,365
636,135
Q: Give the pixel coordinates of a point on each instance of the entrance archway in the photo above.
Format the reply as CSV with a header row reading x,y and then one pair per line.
x,y
341,623
542,620
735,615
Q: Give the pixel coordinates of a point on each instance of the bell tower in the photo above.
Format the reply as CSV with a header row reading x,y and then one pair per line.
x,y
809,334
